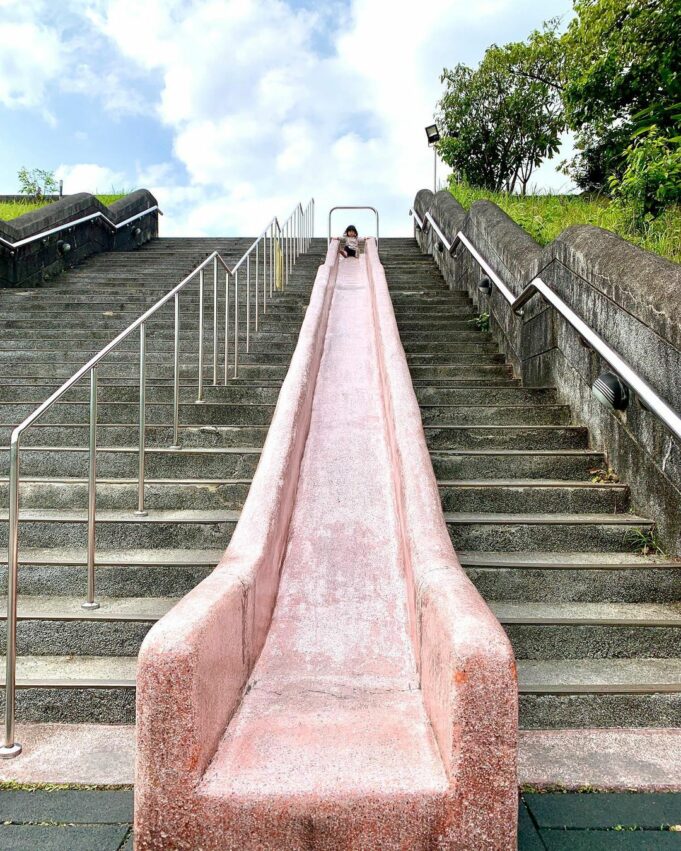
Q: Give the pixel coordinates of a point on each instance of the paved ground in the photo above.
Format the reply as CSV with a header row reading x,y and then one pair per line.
x,y
79,820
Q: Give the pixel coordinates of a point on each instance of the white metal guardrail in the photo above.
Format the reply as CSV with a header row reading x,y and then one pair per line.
x,y
272,255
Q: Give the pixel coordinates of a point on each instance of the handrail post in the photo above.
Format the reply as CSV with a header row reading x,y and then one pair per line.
x,y
265,268
236,324
199,397
273,260
257,265
176,377
215,321
141,511
92,494
226,325
248,304
11,748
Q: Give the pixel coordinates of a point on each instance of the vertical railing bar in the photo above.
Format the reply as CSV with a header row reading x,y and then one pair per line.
x,y
273,260
226,325
11,748
265,269
141,511
236,324
199,398
215,322
176,377
248,304
257,265
92,494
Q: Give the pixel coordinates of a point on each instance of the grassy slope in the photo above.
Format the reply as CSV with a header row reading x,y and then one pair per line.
x,y
545,216
18,208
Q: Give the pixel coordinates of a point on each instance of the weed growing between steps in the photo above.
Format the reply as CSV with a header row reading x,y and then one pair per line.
x,y
644,541
481,322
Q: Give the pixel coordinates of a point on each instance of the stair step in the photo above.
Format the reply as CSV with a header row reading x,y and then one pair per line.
x,y
506,436
117,628
234,462
479,464
121,434
74,689
484,394
126,572
574,630
532,495
244,411
120,494
163,528
492,415
514,532
638,692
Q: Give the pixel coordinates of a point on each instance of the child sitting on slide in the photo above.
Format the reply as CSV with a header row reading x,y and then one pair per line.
x,y
351,242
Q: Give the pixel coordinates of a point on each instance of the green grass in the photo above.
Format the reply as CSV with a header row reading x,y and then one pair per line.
x,y
546,216
13,209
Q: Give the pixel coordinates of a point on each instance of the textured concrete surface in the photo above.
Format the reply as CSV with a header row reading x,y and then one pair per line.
x,y
604,759
89,754
333,744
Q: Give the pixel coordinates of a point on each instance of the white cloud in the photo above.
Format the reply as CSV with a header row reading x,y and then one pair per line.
x,y
89,177
30,56
267,103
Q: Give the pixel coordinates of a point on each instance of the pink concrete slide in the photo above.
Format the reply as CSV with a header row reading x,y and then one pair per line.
x,y
337,682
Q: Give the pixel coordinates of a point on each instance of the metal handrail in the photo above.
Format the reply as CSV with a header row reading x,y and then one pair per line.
x,y
279,246
353,207
650,399
67,225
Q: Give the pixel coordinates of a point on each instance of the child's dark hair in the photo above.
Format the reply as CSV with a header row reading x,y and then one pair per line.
x,y
349,228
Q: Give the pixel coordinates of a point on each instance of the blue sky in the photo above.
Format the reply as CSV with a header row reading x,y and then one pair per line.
x,y
231,111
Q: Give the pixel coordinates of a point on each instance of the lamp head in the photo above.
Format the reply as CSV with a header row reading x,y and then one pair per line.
x,y
432,134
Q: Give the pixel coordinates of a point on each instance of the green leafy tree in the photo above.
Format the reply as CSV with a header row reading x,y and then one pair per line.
x,y
622,57
652,177
503,118
37,182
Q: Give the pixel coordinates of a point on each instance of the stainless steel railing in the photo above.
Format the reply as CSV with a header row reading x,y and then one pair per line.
x,y
654,403
272,254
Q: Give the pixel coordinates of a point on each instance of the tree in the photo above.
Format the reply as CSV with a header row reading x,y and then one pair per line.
x,y
503,118
622,57
37,182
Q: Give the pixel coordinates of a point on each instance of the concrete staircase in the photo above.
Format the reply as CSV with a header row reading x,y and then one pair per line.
x,y
78,665
595,626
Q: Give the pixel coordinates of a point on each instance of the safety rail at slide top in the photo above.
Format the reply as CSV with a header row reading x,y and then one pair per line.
x,y
248,286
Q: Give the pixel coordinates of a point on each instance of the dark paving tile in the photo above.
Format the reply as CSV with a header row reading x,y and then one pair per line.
x,y
66,807
30,837
528,837
610,840
589,811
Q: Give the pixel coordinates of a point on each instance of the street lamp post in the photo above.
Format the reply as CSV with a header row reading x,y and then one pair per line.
x,y
433,136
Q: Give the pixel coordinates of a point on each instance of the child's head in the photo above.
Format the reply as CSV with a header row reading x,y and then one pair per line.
x,y
351,230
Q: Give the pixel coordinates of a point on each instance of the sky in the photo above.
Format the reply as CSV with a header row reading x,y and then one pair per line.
x,y
232,111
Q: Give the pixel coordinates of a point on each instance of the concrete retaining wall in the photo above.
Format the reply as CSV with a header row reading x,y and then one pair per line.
x,y
630,297
32,265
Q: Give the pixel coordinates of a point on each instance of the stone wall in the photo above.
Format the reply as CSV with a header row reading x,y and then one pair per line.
x,y
33,264
630,297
